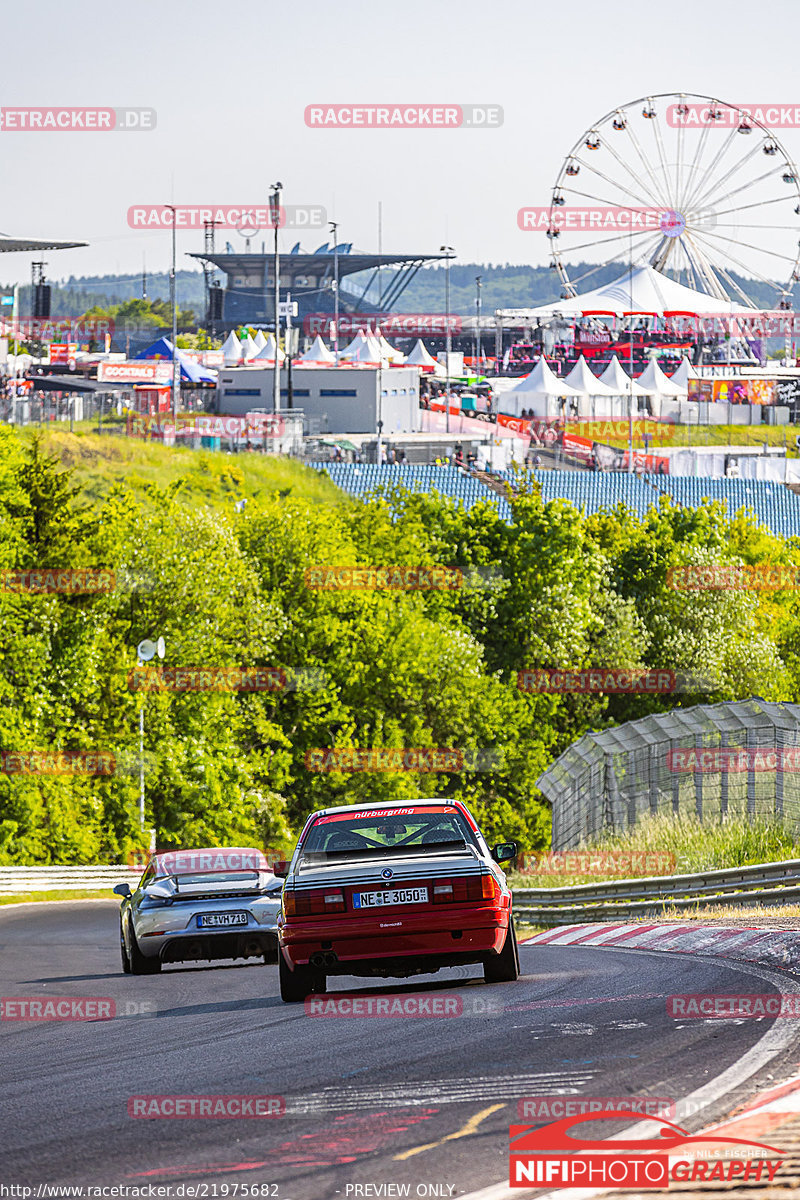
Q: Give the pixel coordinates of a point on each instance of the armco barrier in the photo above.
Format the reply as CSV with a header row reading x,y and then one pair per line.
x,y
765,883
17,880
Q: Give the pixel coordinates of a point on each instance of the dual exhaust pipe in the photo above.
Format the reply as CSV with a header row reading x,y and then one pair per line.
x,y
325,958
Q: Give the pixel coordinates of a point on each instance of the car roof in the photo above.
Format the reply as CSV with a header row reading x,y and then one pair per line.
x,y
385,804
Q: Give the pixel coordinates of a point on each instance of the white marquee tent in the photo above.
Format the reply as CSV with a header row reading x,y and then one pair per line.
x,y
267,352
260,340
541,391
363,349
619,382
249,349
318,354
388,352
654,380
420,357
232,350
684,373
642,290
581,377
599,401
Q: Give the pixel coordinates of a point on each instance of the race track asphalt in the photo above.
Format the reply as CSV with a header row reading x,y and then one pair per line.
x,y
424,1101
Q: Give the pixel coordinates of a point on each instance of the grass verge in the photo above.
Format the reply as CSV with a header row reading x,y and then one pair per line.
x,y
200,476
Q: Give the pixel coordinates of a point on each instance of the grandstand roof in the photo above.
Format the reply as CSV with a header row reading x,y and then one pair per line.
x,y
311,264
10,245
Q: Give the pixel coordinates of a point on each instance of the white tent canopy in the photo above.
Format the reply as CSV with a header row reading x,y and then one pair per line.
x,y
642,290
581,378
260,340
684,373
232,350
541,391
318,353
419,356
388,352
249,348
620,383
654,380
267,353
543,382
362,349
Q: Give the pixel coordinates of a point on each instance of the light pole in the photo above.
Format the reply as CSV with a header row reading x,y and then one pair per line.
x,y
173,295
144,652
275,212
478,346
448,251
334,227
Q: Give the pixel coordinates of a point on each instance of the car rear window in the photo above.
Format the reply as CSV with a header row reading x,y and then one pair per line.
x,y
413,832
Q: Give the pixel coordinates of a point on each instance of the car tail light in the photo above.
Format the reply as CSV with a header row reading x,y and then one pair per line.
x,y
473,887
490,888
314,903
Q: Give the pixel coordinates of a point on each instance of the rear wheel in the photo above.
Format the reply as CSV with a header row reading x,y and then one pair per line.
x,y
504,967
140,965
299,983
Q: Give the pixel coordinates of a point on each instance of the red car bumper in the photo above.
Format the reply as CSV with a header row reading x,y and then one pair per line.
x,y
468,932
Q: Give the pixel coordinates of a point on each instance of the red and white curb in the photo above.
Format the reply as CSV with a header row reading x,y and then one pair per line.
x,y
768,947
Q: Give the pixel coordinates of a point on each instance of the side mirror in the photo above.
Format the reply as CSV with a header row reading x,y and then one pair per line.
x,y
122,889
280,869
504,851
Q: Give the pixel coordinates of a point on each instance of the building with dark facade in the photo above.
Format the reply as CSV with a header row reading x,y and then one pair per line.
x,y
247,297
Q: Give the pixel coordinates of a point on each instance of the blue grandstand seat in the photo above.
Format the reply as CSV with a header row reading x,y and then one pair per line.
x,y
772,505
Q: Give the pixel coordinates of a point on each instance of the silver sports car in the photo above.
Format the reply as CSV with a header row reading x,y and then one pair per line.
x,y
199,904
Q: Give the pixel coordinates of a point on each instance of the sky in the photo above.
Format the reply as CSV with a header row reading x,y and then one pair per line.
x,y
230,86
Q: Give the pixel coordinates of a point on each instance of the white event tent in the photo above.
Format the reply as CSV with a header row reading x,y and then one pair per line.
x,y
388,352
599,401
317,354
260,340
654,380
420,357
641,290
684,373
541,392
363,349
620,383
249,349
267,353
232,350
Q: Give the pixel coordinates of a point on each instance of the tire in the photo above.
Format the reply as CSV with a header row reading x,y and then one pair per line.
x,y
141,965
504,967
299,983
126,962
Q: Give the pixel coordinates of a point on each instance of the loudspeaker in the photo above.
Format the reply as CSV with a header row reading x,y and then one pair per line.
x,y
41,300
215,301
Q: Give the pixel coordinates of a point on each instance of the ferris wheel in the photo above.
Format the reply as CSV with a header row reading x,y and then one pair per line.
x,y
719,192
